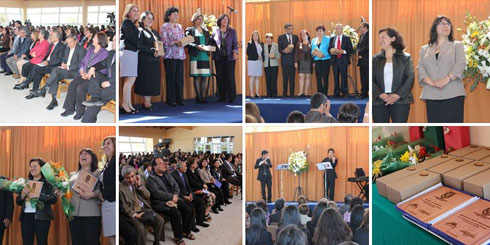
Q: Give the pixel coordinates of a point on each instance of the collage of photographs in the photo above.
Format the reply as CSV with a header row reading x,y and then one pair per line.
x,y
254,122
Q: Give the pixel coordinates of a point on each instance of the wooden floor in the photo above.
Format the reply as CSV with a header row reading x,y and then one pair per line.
x,y
14,108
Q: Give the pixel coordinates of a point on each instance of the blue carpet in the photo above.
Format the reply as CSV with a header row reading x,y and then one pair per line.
x,y
191,112
276,110
311,205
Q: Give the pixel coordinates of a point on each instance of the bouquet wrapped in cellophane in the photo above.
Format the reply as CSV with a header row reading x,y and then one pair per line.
x,y
16,186
57,176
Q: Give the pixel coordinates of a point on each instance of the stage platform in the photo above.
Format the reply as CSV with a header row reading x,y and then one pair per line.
x,y
276,110
191,112
311,205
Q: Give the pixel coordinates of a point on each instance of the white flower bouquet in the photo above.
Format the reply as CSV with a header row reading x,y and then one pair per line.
x,y
298,162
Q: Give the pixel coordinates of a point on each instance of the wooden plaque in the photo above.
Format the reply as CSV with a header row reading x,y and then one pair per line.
x,y
85,182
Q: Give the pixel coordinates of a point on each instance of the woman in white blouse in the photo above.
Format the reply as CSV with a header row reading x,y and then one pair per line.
x,y
393,78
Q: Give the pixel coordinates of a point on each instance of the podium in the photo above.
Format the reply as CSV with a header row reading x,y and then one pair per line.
x,y
280,167
322,166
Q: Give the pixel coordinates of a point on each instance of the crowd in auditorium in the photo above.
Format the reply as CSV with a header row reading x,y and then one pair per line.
x,y
326,223
181,187
45,56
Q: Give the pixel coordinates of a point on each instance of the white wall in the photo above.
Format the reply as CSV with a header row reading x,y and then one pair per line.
x,y
183,138
480,135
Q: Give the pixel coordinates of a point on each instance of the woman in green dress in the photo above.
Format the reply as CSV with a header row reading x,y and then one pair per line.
x,y
199,58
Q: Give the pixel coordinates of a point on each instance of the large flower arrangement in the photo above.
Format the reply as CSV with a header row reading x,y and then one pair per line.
x,y
57,176
352,33
298,162
476,41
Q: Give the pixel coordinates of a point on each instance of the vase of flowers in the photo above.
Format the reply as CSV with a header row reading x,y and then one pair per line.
x,y
298,162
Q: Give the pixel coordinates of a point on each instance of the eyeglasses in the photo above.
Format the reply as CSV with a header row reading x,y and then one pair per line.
x,y
444,24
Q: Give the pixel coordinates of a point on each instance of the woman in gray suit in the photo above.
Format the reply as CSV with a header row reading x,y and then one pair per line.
x,y
393,77
440,71
271,64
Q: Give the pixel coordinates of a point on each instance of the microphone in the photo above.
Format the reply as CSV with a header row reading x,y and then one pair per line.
x,y
232,9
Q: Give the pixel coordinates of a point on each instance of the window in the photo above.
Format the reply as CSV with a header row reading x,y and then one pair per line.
x,y
134,145
97,15
214,144
55,16
9,14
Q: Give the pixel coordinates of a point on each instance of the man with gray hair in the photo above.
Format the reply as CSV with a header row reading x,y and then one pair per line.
x,y
340,48
52,59
23,48
73,56
135,206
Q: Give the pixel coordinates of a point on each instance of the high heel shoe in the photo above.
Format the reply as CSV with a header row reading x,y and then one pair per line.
x,y
123,111
257,96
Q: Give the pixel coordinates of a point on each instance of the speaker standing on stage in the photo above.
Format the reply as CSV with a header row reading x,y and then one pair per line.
x,y
331,175
265,177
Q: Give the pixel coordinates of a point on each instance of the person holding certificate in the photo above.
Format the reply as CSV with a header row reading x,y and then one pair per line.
x,y
264,164
86,224
330,174
108,188
35,221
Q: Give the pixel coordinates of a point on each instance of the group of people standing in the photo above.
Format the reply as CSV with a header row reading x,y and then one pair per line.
x,y
304,53
140,60
93,210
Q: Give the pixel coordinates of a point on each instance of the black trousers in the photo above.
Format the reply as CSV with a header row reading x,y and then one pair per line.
x,y
225,76
199,205
340,87
127,231
85,230
30,227
322,70
235,180
364,72
36,74
225,188
77,93
446,111
58,74
398,113
219,194
174,77
263,184
288,74
271,80
2,230
181,218
157,223
330,188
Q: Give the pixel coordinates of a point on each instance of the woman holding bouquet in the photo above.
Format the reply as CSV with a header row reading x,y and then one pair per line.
x,y
36,219
440,70
86,224
108,189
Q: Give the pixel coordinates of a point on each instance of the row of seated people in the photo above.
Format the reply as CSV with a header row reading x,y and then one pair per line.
x,y
185,195
319,112
326,224
91,70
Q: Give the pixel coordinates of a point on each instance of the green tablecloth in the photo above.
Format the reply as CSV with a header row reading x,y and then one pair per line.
x,y
390,228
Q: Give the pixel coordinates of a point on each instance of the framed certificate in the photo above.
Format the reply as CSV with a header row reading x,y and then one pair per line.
x,y
209,48
317,53
159,48
186,40
36,187
85,182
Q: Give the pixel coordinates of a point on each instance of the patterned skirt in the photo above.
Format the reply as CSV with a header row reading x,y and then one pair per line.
x,y
199,65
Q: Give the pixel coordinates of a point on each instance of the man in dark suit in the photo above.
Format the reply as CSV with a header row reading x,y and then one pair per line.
x,y
363,54
102,88
264,164
330,174
165,199
319,110
73,56
340,48
186,194
6,211
229,171
286,40
136,207
52,59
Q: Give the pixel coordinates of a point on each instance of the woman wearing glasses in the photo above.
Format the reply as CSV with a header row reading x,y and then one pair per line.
x,y
440,70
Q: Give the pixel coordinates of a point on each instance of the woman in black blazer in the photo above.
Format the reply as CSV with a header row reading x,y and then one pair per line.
x,y
198,186
218,175
36,220
257,232
148,81
393,78
199,59
255,57
108,189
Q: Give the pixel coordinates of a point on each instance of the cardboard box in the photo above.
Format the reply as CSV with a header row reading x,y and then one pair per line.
x,y
454,178
400,174
411,185
478,184
479,154
486,160
449,165
465,150
429,163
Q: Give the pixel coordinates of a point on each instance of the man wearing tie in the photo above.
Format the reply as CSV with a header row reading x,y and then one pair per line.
x,y
340,49
72,58
363,54
330,174
264,164
6,211
287,44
